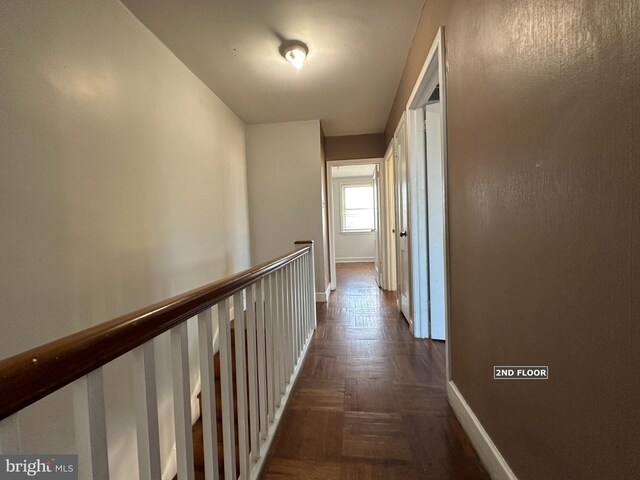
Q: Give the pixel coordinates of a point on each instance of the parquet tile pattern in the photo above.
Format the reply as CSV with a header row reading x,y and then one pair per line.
x,y
370,403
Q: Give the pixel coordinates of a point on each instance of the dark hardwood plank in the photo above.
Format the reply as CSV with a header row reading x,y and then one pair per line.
x,y
376,437
285,468
318,395
370,395
323,367
310,434
368,471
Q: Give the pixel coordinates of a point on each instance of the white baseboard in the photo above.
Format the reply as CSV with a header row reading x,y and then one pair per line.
x,y
323,296
355,260
489,454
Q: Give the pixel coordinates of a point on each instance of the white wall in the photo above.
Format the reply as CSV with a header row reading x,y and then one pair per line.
x,y
123,183
285,193
351,247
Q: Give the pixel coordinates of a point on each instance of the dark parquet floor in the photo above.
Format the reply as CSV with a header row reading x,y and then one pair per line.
x,y
370,402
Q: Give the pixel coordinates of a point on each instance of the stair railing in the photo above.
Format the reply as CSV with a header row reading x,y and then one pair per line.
x,y
271,340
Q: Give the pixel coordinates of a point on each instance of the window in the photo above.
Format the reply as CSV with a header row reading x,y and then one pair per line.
x,y
357,208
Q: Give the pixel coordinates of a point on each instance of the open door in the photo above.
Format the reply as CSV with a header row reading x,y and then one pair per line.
x,y
402,223
425,127
389,221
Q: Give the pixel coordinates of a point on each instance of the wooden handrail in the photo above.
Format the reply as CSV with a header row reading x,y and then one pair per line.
x,y
31,375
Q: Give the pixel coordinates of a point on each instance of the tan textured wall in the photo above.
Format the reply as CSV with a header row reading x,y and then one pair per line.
x,y
544,224
355,147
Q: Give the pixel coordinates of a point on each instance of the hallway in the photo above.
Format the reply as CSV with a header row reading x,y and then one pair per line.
x,y
370,402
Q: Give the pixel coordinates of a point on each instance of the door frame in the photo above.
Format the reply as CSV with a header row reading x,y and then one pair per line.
x,y
330,204
377,188
431,74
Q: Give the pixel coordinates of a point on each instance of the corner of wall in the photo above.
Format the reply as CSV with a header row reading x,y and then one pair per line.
x,y
322,297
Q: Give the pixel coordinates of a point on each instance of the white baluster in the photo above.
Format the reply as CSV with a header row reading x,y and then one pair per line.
x,y
182,401
269,320
262,367
208,395
91,429
292,322
311,305
241,385
144,385
308,290
226,388
305,299
303,303
277,348
296,313
286,317
299,323
292,309
310,299
302,290
280,336
312,289
252,363
287,324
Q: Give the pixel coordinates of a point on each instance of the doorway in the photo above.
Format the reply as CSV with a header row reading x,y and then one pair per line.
x,y
423,130
435,216
357,215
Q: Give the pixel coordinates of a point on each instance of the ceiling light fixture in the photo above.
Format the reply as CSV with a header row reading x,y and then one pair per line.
x,y
296,54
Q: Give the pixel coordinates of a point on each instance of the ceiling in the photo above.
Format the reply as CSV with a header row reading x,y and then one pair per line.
x,y
357,51
352,171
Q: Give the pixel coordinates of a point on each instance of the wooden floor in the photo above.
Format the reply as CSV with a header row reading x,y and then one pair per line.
x,y
370,402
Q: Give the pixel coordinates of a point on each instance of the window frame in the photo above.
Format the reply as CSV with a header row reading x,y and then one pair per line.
x,y
343,187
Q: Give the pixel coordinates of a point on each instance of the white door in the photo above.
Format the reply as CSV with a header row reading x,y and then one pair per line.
x,y
389,265
376,217
402,223
435,220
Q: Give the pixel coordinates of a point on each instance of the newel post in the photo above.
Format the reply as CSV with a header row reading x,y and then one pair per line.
x,y
299,245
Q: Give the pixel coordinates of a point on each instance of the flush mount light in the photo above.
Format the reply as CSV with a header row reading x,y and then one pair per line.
x,y
296,54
